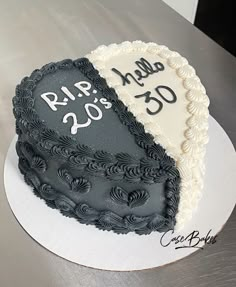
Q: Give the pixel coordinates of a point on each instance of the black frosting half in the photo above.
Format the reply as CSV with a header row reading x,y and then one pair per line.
x,y
110,173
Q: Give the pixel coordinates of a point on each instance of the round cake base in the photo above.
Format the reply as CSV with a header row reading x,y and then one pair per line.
x,y
106,250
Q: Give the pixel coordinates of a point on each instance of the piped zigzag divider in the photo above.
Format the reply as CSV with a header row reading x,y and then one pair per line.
x,y
190,162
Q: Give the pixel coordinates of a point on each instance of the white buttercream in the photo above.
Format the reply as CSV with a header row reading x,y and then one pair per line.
x,y
186,72
125,62
177,62
185,140
194,84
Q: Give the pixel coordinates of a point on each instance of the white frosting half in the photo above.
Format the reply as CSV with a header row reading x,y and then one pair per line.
x,y
180,127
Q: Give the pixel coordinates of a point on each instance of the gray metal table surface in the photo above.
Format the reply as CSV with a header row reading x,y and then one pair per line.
x,y
33,33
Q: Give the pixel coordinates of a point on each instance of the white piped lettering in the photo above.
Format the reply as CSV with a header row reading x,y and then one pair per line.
x,y
92,110
84,87
75,125
107,105
96,108
68,93
52,103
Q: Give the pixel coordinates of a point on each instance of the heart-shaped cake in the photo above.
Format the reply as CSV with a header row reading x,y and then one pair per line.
x,y
115,139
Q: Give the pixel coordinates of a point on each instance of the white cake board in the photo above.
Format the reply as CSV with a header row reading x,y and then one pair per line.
x,y
91,247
